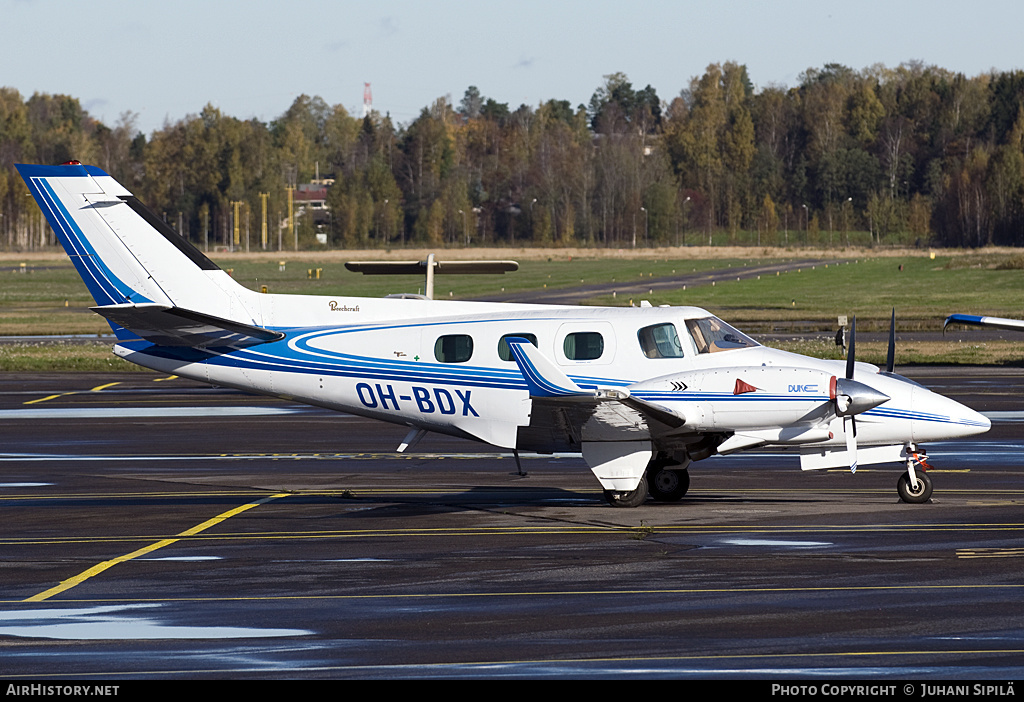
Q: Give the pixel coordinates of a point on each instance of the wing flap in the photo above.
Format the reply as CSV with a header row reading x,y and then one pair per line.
x,y
174,326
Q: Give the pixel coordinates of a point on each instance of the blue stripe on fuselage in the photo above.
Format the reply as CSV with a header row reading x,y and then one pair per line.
x,y
268,357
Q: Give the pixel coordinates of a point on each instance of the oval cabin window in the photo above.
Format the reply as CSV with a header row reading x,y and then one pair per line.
x,y
454,348
504,352
583,346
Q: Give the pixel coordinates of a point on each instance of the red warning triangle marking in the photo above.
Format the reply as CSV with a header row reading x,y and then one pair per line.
x,y
742,387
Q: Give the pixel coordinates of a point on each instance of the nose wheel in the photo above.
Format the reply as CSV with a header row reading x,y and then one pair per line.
x,y
918,494
915,486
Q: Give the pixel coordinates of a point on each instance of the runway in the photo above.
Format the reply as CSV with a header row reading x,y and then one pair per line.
x,y
155,528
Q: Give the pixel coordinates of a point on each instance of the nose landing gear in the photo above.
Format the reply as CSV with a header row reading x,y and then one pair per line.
x,y
914,487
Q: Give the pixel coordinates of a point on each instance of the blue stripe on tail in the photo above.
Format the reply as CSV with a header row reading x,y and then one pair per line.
x,y
105,287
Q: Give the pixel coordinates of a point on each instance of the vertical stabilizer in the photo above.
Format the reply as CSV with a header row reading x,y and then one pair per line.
x,y
125,254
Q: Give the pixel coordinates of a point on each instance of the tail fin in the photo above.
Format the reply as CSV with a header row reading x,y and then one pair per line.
x,y
134,265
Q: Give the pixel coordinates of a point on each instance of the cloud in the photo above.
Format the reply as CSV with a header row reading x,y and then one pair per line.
x,y
95,105
388,26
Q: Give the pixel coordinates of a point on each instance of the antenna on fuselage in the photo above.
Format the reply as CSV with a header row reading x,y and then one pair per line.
x,y
431,267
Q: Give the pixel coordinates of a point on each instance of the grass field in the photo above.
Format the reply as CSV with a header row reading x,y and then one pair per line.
x,y
923,291
49,298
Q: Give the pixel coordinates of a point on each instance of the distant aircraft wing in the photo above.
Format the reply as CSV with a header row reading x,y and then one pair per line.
x,y
174,326
419,267
430,267
978,321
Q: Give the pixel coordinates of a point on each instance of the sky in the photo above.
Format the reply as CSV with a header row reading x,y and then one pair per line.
x,y
166,60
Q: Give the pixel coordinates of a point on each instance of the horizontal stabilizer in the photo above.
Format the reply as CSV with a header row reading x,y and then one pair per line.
x,y
978,321
173,326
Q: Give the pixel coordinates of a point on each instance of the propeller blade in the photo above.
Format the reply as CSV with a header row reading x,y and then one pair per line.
x,y
890,358
850,354
850,427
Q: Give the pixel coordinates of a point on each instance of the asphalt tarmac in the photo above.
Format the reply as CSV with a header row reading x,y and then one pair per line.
x,y
154,528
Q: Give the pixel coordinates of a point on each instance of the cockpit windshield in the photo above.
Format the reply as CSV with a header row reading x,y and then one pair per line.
x,y
710,335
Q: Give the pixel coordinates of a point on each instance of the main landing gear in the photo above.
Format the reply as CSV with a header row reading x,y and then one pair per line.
x,y
915,486
667,484
633,498
664,482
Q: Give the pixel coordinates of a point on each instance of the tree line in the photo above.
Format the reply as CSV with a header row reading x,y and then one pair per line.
x,y
913,154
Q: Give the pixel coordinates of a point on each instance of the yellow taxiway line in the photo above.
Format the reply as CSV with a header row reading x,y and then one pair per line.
x,y
98,388
100,567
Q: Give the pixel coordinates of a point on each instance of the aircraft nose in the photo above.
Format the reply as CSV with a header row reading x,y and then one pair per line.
x,y
937,418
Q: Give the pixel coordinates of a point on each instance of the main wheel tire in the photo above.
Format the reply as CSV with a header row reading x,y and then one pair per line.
x,y
632,498
909,494
667,485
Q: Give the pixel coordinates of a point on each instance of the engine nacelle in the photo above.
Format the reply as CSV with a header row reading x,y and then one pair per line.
x,y
743,397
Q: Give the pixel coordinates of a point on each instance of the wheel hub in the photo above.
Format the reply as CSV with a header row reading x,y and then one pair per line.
x,y
666,480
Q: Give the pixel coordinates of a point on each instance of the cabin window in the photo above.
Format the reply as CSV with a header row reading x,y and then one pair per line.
x,y
454,348
504,352
660,341
710,335
583,346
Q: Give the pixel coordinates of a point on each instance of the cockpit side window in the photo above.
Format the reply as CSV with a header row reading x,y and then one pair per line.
x,y
660,341
710,335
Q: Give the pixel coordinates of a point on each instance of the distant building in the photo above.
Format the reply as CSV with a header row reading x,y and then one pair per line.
x,y
312,195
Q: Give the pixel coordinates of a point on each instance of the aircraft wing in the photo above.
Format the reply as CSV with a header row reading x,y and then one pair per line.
x,y
173,326
978,321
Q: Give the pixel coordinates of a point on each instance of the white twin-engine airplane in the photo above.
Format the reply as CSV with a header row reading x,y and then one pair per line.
x,y
641,392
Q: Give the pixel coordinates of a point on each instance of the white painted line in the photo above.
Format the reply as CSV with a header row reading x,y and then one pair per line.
x,y
135,412
775,542
119,622
1007,416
